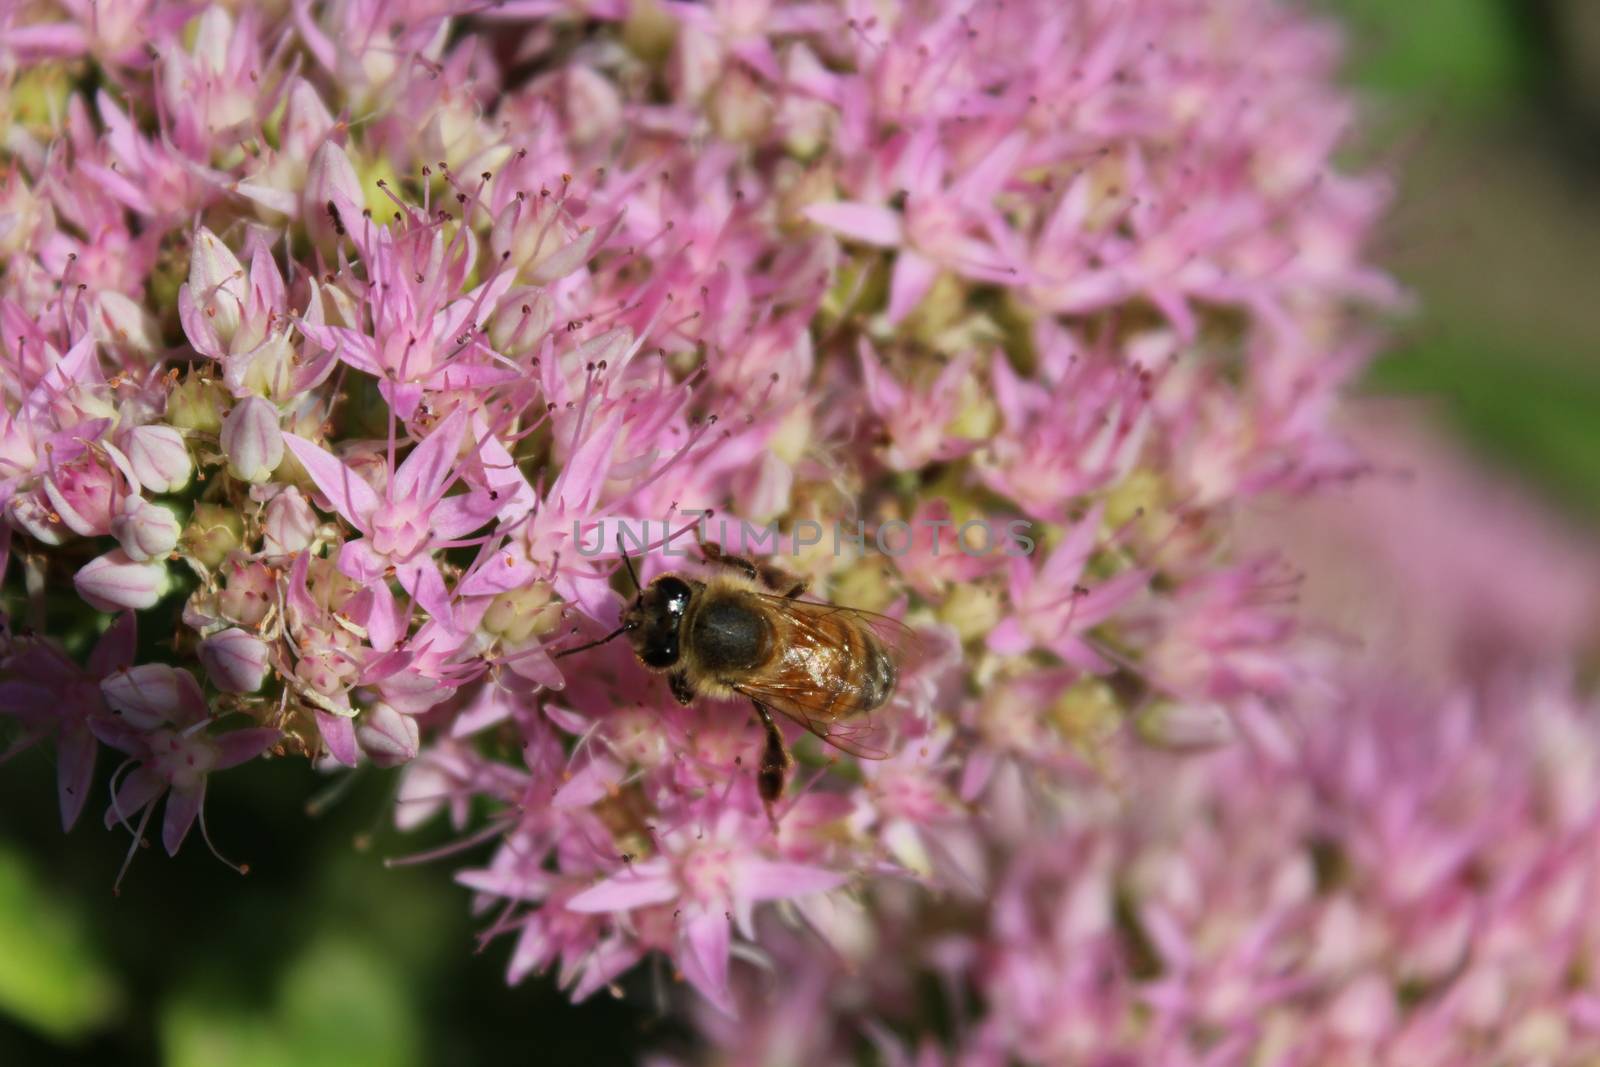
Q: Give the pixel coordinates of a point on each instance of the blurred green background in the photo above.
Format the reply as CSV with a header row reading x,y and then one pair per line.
x,y
1491,111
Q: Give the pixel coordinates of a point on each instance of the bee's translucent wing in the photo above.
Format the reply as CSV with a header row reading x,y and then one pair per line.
x,y
863,737
902,641
838,665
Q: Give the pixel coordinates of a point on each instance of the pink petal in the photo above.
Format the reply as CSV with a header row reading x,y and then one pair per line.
x,y
913,277
501,474
501,571
884,394
534,951
564,260
589,784
34,703
776,880
609,959
197,326
583,477
182,807
75,751
1009,638
864,222
1107,598
1061,571
242,746
1078,652
357,560
532,662
266,281
457,516
644,883
53,39
279,200
489,707
705,957
423,474
139,788
118,187
383,622
979,186
349,494
421,578
339,734
114,650
975,775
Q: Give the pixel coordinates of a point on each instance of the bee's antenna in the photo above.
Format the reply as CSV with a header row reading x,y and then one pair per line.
x,y
618,632
627,562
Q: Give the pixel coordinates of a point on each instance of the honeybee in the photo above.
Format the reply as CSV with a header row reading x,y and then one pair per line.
x,y
745,632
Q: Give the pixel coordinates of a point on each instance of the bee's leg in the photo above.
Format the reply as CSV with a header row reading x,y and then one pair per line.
x,y
774,762
714,554
783,583
776,579
682,691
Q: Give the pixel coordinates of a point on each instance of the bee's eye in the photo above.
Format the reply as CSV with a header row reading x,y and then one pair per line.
x,y
674,595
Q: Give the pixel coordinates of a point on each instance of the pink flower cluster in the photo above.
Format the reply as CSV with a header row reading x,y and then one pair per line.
x,y
325,327
1398,872
1412,887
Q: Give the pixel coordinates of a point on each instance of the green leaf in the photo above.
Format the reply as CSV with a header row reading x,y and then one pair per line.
x,y
346,1004
1533,412
51,978
197,1032
340,1003
1458,52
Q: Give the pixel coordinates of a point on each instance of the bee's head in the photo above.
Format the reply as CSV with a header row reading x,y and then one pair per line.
x,y
653,622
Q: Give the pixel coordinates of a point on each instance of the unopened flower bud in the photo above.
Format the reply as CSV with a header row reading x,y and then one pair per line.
x,y
306,122
518,614
145,531
124,325
972,609
367,459
152,694
116,582
542,246
1087,715
593,106
695,61
268,369
213,531
248,593
386,736
32,514
798,187
1186,725
332,198
85,495
158,457
251,440
739,108
648,30
289,525
236,661
217,285
196,404
977,417
522,323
